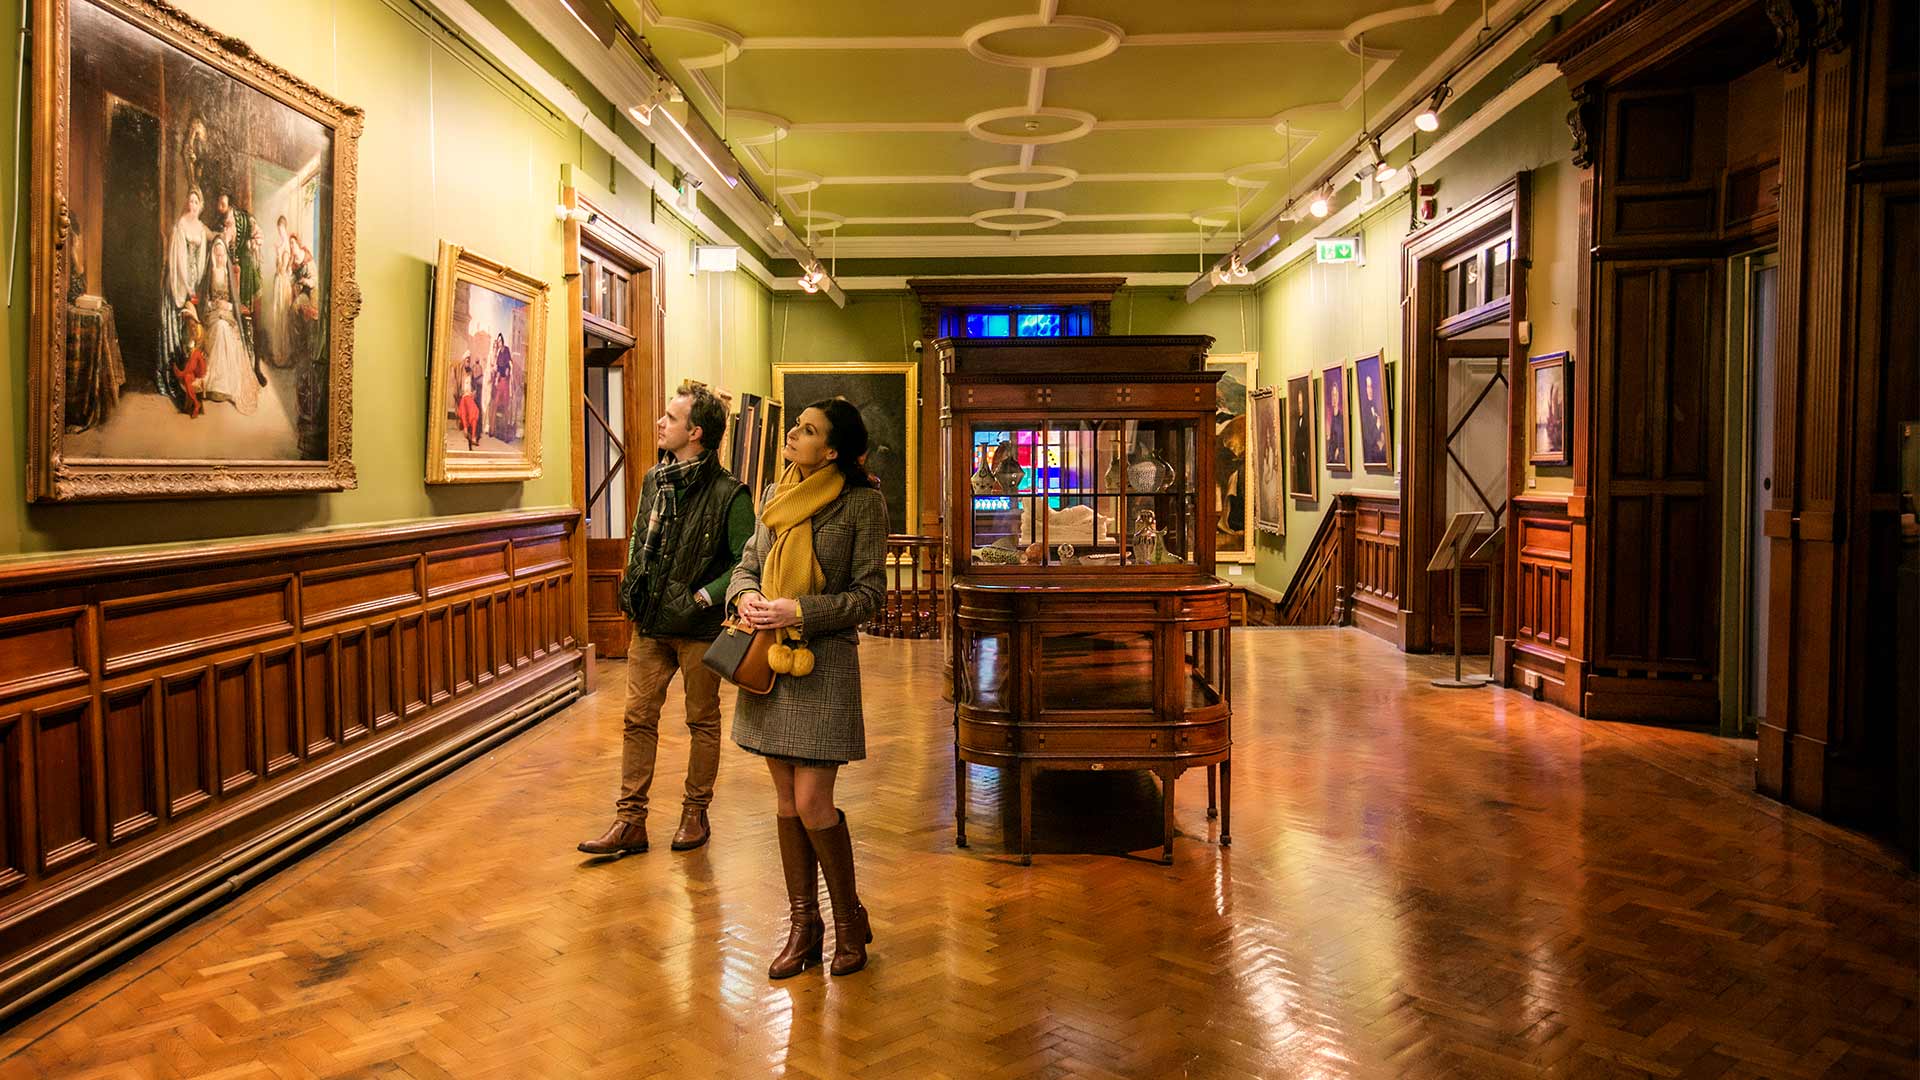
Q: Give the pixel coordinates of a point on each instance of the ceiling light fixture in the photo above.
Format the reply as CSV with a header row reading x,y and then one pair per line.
x,y
1382,172
1319,206
1428,119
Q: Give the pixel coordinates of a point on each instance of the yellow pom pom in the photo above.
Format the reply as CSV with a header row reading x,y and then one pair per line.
x,y
780,658
802,661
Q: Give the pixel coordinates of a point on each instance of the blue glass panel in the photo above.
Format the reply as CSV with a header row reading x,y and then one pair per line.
x,y
997,325
1040,324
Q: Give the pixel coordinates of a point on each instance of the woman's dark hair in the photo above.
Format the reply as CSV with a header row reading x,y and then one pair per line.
x,y
847,437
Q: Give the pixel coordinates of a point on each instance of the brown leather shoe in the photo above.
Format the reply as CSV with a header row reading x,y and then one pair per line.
x,y
851,930
624,838
806,933
693,829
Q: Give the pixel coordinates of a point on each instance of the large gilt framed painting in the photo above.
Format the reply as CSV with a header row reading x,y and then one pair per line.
x,y
1233,449
489,365
1269,512
192,239
887,393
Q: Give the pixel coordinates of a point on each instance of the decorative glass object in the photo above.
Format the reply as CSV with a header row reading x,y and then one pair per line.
x,y
984,482
1148,547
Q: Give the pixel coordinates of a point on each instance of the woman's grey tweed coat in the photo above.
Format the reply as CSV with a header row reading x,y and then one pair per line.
x,y
818,716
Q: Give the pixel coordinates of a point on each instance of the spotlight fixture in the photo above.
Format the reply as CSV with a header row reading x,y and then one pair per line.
x,y
1428,119
1382,172
1319,206
642,114
817,274
807,284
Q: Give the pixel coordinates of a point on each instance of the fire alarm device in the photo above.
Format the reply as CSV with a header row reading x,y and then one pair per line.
x,y
1429,205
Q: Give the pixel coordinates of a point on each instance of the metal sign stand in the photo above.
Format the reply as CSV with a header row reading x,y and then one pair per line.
x,y
1489,553
1450,554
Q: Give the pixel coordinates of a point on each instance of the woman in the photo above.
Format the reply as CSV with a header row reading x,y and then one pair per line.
x,y
186,268
814,570
501,420
230,375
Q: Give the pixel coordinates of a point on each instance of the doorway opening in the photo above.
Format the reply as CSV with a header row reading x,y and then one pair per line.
x,y
1753,333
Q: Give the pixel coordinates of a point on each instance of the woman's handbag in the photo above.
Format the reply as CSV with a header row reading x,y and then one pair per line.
x,y
739,654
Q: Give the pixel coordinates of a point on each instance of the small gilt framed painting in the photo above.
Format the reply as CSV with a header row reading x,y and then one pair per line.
x,y
489,364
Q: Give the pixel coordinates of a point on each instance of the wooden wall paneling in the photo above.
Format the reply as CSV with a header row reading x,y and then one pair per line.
x,y
520,618
472,567
439,656
412,665
483,638
130,740
236,723
43,651
320,696
383,673
338,593
148,630
280,698
460,640
356,677
15,804
186,701
501,634
66,782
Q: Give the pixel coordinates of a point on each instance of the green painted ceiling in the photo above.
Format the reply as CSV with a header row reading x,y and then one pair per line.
x,y
874,99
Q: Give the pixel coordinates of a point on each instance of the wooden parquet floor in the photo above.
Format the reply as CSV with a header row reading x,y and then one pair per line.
x,y
1422,883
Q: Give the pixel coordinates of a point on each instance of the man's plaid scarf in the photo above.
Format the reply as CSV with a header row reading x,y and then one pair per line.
x,y
671,476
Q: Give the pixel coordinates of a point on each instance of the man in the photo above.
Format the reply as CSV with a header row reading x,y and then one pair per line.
x,y
691,524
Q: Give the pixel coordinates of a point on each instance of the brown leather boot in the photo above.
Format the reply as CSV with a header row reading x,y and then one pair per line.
x,y
693,829
851,932
807,933
624,838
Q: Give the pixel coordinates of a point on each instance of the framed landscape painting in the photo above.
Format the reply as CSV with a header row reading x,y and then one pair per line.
x,y
489,366
192,238
1547,382
1232,452
887,393
1269,513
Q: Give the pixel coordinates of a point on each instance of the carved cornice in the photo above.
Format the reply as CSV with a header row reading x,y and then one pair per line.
x,y
1830,25
1583,120
1789,35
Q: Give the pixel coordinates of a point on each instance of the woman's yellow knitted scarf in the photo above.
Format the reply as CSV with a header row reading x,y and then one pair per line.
x,y
789,568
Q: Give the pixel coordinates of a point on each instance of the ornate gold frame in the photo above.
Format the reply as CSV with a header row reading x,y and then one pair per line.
x,y
50,477
908,368
454,264
1245,365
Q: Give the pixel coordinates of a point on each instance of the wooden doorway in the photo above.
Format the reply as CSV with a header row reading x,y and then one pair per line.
x,y
618,379
1462,448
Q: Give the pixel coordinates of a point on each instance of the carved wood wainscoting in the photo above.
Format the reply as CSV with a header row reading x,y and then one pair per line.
x,y
1548,618
172,721
1351,573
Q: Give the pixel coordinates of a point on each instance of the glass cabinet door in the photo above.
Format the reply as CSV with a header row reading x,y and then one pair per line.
x,y
1086,493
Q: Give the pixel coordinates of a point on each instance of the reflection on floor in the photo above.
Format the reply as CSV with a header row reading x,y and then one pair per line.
x,y
1422,883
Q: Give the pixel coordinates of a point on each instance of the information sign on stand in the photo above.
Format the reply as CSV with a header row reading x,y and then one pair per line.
x,y
1488,553
1449,554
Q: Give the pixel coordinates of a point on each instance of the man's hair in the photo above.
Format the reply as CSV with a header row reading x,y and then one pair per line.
x,y
705,412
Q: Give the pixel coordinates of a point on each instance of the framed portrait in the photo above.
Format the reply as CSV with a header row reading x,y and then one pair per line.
x,y
773,432
488,368
192,246
1374,408
1333,417
741,432
1269,511
1303,474
887,393
1232,452
1547,407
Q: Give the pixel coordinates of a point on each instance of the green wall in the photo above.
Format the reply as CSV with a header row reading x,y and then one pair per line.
x,y
1313,316
452,149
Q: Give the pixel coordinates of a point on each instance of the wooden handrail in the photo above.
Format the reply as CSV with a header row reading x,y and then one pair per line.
x,y
916,588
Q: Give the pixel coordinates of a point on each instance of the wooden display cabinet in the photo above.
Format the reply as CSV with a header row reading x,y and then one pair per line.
x,y
1089,630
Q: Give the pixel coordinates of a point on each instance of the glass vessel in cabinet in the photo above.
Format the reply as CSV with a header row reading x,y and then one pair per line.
x,y
1088,493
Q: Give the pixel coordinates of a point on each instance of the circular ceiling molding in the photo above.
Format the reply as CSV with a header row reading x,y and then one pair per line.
x,y
796,181
730,40
1257,174
1213,217
821,221
1015,219
996,177
758,128
1021,126
1035,41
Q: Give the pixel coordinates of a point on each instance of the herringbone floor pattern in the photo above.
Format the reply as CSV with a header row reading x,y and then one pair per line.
x,y
1422,883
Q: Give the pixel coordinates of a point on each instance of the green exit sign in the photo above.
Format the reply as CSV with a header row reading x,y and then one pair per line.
x,y
1339,249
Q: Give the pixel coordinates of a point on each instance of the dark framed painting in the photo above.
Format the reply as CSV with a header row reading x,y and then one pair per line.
x,y
887,393
1232,452
1548,378
771,435
1374,408
1303,474
1269,510
489,364
192,240
1333,417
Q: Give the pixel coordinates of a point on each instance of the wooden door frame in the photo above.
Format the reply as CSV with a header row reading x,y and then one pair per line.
x,y
1506,209
643,397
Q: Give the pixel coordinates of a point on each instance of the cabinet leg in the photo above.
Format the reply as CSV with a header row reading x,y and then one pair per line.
x,y
1166,818
959,800
1226,803
1212,807
1026,814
